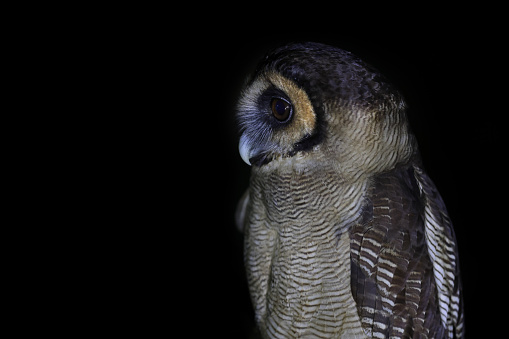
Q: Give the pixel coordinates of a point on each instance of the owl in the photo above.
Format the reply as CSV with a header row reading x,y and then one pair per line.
x,y
345,234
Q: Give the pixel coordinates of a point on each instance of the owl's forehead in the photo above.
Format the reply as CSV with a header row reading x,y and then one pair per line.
x,y
309,58
326,73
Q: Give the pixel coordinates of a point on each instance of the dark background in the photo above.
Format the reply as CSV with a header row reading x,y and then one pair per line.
x,y
189,175
135,181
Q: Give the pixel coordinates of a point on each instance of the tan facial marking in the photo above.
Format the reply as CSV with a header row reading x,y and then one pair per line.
x,y
304,119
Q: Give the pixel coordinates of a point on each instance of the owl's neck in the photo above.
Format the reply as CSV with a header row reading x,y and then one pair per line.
x,y
302,195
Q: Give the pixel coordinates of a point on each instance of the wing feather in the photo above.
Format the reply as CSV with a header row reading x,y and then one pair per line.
x,y
395,260
442,249
240,212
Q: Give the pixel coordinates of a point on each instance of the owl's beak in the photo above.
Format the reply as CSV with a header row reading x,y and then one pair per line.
x,y
252,154
244,149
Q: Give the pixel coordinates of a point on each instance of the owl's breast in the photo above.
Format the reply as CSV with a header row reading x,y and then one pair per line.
x,y
298,254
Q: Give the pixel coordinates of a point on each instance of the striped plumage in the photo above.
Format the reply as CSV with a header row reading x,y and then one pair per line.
x,y
345,234
403,282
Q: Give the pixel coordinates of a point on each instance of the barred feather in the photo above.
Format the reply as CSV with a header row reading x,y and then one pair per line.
x,y
395,282
297,256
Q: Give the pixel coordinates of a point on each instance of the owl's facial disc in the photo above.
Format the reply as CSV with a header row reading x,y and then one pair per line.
x,y
275,115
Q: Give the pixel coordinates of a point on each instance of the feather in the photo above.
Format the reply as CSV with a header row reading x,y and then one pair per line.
x,y
392,250
240,212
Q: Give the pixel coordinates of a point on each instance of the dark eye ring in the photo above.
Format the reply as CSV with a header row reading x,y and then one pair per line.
x,y
281,109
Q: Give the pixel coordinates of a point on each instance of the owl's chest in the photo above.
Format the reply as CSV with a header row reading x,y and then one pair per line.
x,y
298,253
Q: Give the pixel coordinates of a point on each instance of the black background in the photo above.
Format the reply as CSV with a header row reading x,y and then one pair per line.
x,y
448,66
132,173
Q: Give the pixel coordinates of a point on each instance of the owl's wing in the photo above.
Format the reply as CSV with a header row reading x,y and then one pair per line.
x,y
405,274
240,213
443,251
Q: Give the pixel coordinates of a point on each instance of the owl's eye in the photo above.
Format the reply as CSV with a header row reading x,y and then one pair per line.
x,y
281,109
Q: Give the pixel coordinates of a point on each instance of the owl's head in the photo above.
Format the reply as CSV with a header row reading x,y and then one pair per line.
x,y
310,103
